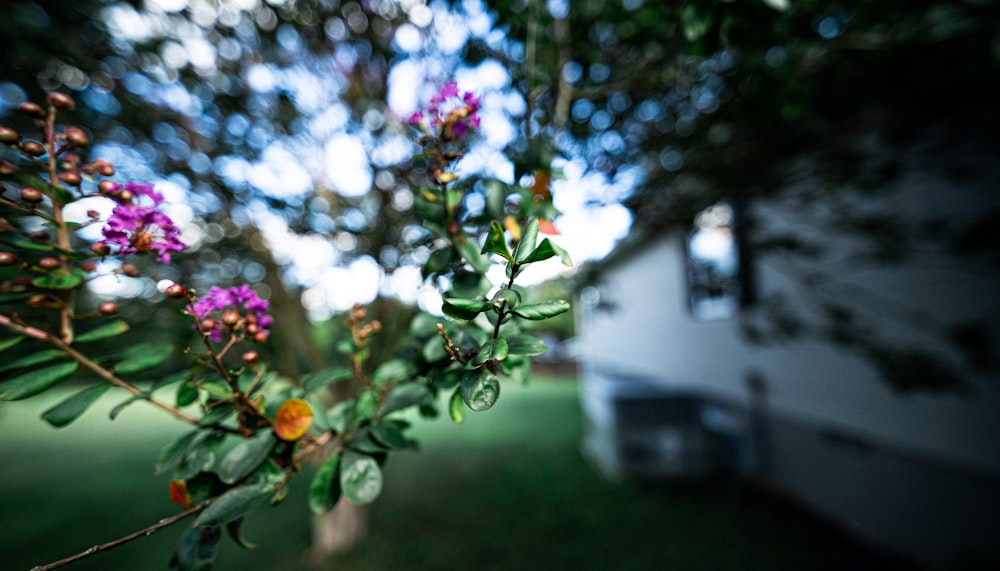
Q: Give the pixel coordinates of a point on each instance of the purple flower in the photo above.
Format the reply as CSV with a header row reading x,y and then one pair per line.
x,y
452,111
137,226
215,312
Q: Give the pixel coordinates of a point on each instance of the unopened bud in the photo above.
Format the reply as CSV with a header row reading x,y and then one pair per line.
x,y
176,291
39,236
124,196
89,266
251,357
252,329
7,259
231,317
9,136
376,326
31,195
208,324
108,308
39,300
100,248
107,186
7,168
49,263
76,137
130,270
260,337
61,101
71,178
103,167
93,214
32,110
33,148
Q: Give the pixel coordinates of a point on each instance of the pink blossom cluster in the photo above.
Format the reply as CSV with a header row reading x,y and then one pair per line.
x,y
137,226
213,311
455,112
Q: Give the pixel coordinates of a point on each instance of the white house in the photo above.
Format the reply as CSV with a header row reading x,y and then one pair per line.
x,y
673,386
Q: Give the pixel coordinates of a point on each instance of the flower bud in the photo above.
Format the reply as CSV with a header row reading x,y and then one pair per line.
x,y
108,308
76,137
100,248
39,300
260,337
49,263
39,236
252,329
89,266
71,178
61,101
7,259
231,317
107,186
7,168
93,214
31,195
251,357
176,291
208,324
103,167
33,148
32,110
9,136
124,196
130,270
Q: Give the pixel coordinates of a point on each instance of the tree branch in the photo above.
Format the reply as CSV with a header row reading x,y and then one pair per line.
x,y
123,540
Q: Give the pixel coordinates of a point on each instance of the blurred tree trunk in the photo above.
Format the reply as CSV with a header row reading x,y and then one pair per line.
x,y
346,524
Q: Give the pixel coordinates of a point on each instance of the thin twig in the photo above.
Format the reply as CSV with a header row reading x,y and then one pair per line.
x,y
130,537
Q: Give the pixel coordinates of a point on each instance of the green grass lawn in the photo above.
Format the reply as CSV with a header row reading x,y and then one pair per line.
x,y
507,490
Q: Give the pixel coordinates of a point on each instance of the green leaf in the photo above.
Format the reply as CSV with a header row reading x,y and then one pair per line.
x,y
529,237
34,246
390,435
495,349
60,279
404,396
321,379
233,528
341,416
71,408
121,406
34,359
8,343
480,389
147,359
464,309
360,478
527,345
197,549
187,393
199,456
456,406
233,504
496,242
543,310
546,250
173,453
392,371
245,457
168,380
103,332
33,382
471,254
324,490
439,261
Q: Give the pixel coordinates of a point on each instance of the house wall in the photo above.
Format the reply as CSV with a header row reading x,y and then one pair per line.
x,y
921,471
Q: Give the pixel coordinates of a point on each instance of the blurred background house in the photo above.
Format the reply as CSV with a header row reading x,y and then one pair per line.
x,y
834,343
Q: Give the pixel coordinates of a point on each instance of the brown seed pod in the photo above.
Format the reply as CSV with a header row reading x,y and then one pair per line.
x,y
9,136
49,263
7,259
130,270
176,291
251,357
33,148
61,101
76,137
100,248
108,308
71,178
32,110
31,195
